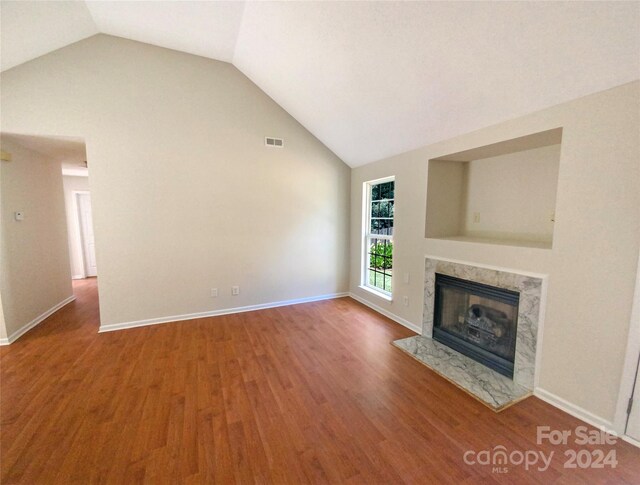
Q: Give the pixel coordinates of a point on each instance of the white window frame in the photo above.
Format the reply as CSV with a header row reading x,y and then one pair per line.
x,y
367,236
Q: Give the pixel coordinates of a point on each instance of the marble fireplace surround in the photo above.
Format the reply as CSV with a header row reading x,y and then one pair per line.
x,y
530,288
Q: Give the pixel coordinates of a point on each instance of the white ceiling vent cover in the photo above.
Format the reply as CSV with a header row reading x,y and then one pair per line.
x,y
273,142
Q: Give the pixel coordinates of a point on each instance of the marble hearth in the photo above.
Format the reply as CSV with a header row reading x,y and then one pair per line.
x,y
493,389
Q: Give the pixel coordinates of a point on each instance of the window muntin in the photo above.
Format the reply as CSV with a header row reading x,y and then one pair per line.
x,y
378,261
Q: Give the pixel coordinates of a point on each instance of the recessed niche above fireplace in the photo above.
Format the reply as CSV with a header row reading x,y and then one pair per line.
x,y
504,193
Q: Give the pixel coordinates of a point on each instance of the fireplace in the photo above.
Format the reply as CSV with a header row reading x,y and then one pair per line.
x,y
477,320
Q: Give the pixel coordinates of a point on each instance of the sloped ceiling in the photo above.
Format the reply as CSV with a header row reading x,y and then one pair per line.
x,y
207,29
371,79
32,29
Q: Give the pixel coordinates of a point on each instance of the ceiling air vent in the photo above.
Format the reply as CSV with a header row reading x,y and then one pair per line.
x,y
274,142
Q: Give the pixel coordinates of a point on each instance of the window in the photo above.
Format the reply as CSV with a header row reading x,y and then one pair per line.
x,y
378,235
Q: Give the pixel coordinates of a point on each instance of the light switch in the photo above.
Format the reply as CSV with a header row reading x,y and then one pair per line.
x,y
19,215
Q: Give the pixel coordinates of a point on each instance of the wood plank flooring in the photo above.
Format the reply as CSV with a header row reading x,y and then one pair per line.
x,y
312,393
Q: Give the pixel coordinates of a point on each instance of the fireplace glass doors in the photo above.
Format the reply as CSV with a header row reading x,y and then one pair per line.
x,y
477,320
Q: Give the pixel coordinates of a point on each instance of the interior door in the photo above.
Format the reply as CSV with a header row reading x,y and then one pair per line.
x,y
633,420
86,233
633,425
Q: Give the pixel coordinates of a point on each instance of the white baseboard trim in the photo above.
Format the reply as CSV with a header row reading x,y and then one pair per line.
x,y
112,327
546,396
77,277
575,411
25,328
583,415
388,314
630,440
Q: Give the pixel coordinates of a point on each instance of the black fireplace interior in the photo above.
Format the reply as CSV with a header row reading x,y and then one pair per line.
x,y
477,320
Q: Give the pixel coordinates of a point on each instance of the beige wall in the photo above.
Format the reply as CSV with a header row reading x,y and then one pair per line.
x,y
185,195
592,264
34,253
72,184
514,194
446,202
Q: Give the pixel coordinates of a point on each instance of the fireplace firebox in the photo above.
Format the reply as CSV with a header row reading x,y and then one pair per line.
x,y
477,320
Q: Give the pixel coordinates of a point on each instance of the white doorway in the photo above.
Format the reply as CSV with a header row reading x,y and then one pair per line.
x,y
633,423
85,223
627,417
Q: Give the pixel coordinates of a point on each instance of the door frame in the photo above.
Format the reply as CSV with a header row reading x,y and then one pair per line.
x,y
630,365
78,224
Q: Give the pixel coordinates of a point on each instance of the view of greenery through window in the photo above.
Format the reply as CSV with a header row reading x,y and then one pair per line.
x,y
380,236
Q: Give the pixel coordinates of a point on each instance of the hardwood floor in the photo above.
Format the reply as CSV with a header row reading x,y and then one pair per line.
x,y
311,393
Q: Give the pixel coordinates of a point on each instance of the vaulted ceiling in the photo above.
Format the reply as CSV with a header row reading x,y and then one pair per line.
x,y
370,79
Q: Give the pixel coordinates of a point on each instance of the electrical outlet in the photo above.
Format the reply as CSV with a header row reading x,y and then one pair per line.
x,y
476,217
235,290
406,278
214,292
405,300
